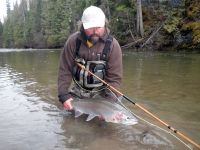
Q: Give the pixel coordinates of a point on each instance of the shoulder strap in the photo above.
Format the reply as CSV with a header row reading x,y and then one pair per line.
x,y
106,49
78,44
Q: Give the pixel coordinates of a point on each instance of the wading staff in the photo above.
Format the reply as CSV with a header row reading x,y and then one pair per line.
x,y
145,110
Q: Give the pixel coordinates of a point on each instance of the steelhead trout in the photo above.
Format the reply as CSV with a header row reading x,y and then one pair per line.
x,y
105,109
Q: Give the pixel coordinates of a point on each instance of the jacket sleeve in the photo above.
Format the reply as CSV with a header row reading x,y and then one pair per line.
x,y
65,70
114,66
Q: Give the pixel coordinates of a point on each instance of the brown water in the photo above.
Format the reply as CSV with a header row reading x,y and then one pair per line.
x,y
32,118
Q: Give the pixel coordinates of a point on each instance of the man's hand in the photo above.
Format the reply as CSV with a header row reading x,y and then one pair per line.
x,y
67,104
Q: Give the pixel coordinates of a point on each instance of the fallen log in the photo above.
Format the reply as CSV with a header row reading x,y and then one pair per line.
x,y
151,36
131,44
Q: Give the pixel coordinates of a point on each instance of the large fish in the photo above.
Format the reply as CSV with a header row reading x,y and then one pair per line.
x,y
109,111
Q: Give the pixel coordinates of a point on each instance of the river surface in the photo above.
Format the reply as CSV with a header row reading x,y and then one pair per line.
x,y
166,84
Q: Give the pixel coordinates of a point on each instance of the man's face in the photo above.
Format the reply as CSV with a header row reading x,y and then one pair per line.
x,y
95,33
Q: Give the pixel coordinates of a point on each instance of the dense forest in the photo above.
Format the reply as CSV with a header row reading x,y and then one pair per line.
x,y
137,24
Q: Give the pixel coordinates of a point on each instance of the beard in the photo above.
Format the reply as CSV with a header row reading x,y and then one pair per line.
x,y
94,38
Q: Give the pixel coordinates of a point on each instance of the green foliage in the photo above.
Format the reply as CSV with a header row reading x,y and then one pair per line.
x,y
8,7
193,10
1,34
195,28
171,25
122,19
53,41
7,34
48,23
1,28
121,8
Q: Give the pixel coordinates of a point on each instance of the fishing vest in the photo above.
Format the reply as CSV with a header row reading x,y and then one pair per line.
x,y
98,67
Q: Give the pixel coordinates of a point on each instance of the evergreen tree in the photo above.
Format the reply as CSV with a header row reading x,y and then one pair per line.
x,y
56,19
19,18
48,23
8,7
1,35
8,28
34,28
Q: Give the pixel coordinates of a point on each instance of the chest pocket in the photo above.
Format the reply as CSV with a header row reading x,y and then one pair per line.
x,y
82,77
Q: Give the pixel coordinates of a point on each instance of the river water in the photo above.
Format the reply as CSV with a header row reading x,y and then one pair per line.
x,y
166,84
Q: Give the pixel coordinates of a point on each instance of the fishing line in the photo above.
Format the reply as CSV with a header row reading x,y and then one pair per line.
x,y
142,108
150,122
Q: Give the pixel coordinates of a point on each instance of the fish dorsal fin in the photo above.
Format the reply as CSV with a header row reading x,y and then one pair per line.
x,y
90,117
77,114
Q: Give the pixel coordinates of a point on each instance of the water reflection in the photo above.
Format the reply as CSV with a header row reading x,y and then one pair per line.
x,y
32,118
23,122
168,82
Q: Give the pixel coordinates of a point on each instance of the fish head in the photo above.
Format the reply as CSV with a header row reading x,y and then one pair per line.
x,y
121,118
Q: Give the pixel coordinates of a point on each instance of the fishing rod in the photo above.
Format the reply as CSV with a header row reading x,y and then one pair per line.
x,y
141,107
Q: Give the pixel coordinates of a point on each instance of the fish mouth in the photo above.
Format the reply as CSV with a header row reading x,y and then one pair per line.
x,y
125,119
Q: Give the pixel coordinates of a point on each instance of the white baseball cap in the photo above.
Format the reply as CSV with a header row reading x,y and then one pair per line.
x,y
93,17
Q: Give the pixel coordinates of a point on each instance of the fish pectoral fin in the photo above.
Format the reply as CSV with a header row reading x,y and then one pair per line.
x,y
90,117
77,114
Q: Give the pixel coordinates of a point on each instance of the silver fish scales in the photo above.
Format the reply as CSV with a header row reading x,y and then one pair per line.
x,y
108,110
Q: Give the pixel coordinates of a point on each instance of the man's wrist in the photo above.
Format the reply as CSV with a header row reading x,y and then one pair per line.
x,y
64,97
69,99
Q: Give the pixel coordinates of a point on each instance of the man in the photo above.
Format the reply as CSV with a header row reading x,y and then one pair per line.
x,y
98,51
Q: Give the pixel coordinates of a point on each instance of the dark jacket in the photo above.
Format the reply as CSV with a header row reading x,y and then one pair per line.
x,y
113,68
